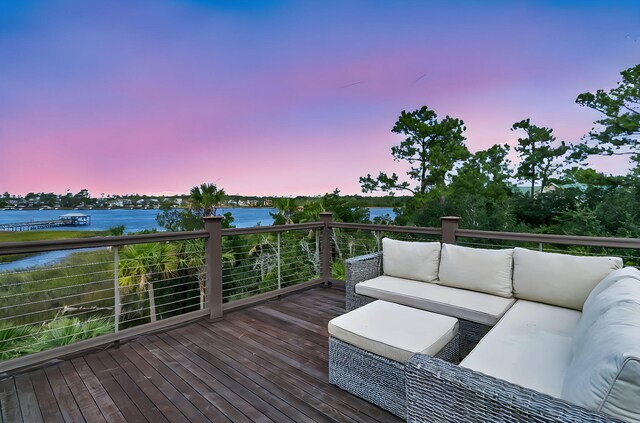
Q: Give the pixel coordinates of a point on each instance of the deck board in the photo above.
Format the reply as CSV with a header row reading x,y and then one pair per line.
x,y
80,378
267,363
9,403
46,400
67,403
28,401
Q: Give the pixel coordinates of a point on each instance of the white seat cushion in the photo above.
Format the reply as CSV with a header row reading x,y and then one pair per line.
x,y
604,374
411,260
530,346
558,279
477,269
394,331
467,305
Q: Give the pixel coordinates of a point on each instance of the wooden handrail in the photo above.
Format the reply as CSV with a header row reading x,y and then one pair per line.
x,y
7,248
26,247
587,241
105,241
387,228
271,229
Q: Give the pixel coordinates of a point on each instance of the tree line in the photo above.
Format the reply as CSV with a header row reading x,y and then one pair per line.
x,y
563,194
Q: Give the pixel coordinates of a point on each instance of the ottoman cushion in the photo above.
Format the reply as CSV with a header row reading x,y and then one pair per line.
x,y
394,331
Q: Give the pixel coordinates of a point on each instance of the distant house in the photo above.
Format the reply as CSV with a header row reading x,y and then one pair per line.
x,y
581,187
526,188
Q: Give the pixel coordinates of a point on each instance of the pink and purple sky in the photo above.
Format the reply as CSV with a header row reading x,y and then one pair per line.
x,y
283,97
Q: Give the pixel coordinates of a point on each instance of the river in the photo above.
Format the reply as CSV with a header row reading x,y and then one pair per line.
x,y
139,220
133,221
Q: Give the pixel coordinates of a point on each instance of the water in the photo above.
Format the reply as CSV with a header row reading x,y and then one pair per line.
x,y
45,259
133,221
139,220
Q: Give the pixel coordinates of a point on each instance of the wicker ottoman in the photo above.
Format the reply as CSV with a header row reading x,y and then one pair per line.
x,y
369,346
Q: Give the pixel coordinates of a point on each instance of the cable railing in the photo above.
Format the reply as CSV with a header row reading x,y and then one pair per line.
x,y
358,239
354,239
259,263
102,290
264,262
113,288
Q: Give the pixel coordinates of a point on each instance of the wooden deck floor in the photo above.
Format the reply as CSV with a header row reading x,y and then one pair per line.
x,y
266,363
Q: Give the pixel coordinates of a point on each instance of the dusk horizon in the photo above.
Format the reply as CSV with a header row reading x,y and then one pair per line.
x,y
284,98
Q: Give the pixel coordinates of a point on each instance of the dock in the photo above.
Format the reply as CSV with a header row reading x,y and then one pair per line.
x,y
69,219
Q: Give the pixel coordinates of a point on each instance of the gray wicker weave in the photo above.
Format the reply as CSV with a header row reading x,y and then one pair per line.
x,y
366,375
362,268
375,378
438,391
471,333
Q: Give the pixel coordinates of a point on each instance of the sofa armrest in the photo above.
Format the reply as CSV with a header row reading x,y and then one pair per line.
x,y
360,269
438,391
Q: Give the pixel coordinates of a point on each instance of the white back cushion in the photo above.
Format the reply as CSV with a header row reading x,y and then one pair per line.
x,y
619,285
604,374
411,260
477,269
558,279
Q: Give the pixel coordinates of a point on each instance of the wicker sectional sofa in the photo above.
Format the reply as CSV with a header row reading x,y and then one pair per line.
x,y
543,337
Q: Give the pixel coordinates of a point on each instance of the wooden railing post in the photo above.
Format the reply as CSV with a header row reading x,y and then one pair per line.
x,y
325,258
449,228
213,265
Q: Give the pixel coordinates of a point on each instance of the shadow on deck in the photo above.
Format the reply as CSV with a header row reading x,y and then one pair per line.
x,y
264,363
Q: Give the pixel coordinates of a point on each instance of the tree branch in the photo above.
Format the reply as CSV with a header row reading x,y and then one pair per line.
x,y
631,110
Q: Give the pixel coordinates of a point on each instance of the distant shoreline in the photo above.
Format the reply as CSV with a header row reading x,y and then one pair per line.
x,y
142,208
131,208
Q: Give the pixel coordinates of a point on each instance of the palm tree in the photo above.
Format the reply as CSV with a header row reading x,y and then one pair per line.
x,y
67,330
286,209
266,257
311,212
140,264
15,340
193,258
206,198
